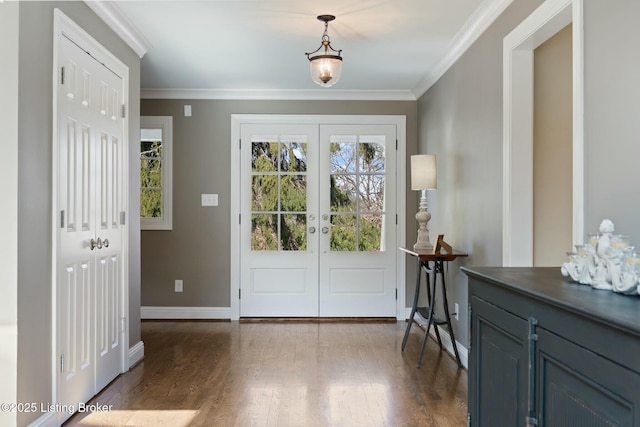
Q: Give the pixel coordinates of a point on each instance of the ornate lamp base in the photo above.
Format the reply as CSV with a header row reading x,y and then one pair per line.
x,y
423,218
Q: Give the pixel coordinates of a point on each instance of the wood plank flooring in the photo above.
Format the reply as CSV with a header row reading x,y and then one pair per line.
x,y
284,374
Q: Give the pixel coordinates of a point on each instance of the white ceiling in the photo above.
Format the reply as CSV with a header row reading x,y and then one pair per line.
x,y
392,49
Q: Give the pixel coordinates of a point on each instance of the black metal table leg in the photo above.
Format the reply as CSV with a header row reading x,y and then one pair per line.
x,y
414,306
448,317
430,317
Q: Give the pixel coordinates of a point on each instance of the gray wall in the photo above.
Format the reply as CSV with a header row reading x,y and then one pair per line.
x,y
35,201
611,115
460,120
197,249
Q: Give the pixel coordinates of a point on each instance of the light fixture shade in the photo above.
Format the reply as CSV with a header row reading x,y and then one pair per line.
x,y
326,62
326,69
423,172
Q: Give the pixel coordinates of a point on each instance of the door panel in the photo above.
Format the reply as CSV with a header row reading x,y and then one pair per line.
x,y
110,201
90,198
498,366
278,244
582,388
358,255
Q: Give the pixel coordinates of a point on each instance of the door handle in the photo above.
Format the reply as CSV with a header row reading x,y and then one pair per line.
x,y
312,230
325,217
325,230
96,243
105,242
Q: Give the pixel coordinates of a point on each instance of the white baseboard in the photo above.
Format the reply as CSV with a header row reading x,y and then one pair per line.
x,y
47,420
136,353
184,313
446,341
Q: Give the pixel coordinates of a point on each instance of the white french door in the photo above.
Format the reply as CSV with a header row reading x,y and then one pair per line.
x,y
279,203
90,188
357,259
318,220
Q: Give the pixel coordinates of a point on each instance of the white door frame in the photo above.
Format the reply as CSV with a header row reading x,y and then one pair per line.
x,y
239,119
63,26
518,47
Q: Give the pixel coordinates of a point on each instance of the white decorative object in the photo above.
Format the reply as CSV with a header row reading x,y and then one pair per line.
x,y
609,265
423,178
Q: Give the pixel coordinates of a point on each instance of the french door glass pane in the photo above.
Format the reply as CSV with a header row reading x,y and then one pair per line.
x,y
342,156
357,181
264,232
293,193
279,193
370,236
371,153
264,156
371,193
293,232
293,157
264,190
343,233
343,193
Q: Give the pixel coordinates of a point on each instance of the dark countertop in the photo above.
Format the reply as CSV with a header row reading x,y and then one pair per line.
x,y
547,284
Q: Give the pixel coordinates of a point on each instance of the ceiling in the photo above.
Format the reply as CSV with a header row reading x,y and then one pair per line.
x,y
392,49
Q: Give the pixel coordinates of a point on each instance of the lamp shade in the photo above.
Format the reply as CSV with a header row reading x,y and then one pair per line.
x,y
326,69
423,172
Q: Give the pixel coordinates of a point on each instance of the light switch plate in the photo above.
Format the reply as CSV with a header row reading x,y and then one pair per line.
x,y
179,285
209,200
187,110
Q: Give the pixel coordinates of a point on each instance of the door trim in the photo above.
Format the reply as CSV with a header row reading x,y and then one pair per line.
x,y
64,27
239,119
517,199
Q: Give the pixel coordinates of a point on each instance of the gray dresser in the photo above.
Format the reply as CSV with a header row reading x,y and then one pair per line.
x,y
549,352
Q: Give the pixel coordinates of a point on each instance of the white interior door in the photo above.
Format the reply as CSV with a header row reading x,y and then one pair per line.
x,y
318,229
90,166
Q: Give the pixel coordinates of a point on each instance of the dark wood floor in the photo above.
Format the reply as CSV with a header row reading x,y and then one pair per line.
x,y
284,374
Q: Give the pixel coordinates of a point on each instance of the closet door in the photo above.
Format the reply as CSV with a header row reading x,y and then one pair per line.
x,y
90,272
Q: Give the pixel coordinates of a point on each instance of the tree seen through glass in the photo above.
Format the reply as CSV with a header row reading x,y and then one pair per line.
x,y
151,179
279,194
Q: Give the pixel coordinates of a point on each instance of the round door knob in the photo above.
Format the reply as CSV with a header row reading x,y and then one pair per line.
x,y
325,217
95,243
325,230
312,230
105,242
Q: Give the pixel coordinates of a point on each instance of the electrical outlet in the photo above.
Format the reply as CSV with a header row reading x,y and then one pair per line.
x,y
179,285
456,310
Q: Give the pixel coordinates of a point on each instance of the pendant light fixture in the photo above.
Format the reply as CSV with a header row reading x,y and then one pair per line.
x,y
326,62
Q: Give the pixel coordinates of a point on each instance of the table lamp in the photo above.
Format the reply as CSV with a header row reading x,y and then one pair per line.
x,y
423,178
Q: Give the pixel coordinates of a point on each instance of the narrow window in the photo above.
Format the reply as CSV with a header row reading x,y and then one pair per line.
x,y
156,151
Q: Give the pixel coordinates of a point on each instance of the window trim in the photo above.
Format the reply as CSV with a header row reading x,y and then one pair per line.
x,y
166,124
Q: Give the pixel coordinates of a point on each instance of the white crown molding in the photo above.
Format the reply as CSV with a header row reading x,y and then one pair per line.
x,y
477,23
120,24
248,94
